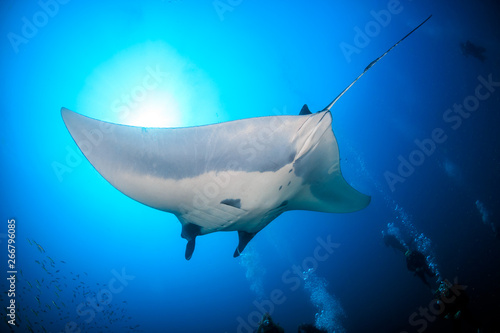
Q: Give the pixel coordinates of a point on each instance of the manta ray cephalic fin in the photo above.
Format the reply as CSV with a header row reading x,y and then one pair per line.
x,y
244,237
189,232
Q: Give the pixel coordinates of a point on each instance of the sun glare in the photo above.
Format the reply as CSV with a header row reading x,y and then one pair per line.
x,y
156,111
149,85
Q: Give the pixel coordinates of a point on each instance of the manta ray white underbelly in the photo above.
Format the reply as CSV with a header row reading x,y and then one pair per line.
x,y
233,176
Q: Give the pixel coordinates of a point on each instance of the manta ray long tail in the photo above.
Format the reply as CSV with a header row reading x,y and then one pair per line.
x,y
371,65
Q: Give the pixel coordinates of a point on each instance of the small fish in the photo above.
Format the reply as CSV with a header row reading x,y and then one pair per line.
x,y
40,248
37,262
55,292
29,284
51,260
63,261
38,300
29,241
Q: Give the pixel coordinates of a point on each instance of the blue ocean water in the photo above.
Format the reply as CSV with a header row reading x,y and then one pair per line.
x,y
418,133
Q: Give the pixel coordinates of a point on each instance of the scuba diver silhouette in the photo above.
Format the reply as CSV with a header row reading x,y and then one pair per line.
x,y
417,263
453,300
267,325
392,241
471,49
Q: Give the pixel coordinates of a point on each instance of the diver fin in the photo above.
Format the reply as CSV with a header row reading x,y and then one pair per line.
x,y
304,110
190,248
244,238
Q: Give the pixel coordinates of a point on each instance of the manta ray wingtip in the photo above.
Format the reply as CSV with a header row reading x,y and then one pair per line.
x,y
64,112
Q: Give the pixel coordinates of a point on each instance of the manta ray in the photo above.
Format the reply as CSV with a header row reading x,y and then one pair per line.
x,y
233,176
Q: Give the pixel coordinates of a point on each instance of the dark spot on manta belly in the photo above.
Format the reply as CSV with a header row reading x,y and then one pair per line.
x,y
280,188
232,202
275,212
289,183
290,170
